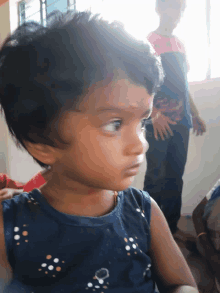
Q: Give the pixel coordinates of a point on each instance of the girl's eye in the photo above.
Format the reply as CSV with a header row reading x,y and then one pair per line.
x,y
113,126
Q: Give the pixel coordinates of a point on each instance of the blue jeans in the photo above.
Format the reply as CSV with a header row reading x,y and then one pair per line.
x,y
166,162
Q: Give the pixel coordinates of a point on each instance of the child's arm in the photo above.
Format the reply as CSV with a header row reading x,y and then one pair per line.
x,y
197,216
171,271
199,126
211,255
5,269
8,193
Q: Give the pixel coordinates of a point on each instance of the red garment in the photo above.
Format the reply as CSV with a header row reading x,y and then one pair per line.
x,y
35,182
6,182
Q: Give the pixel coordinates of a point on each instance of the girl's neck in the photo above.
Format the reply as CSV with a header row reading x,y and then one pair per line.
x,y
163,31
46,174
75,199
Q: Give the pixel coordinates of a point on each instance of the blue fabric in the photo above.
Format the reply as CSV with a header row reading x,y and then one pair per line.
x,y
216,193
54,252
165,167
211,203
175,84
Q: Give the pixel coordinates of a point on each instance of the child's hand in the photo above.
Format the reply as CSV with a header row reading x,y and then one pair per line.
x,y
199,126
8,193
161,126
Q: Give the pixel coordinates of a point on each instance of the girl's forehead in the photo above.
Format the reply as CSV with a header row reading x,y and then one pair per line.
x,y
120,93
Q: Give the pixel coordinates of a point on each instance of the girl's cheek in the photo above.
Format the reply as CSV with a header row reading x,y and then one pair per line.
x,y
144,142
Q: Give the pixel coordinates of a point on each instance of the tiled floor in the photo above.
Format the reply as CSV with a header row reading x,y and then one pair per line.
x,y
197,264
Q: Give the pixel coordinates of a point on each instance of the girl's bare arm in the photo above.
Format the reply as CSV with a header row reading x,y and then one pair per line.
x,y
171,271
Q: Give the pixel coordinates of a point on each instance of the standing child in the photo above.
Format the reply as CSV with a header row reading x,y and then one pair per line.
x,y
76,95
168,135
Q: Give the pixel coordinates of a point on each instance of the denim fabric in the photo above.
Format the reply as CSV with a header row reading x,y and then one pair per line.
x,y
165,167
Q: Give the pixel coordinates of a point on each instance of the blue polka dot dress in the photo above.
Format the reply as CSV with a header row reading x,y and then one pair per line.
x,y
50,251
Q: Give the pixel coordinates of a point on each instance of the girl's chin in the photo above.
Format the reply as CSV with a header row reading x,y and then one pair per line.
x,y
125,184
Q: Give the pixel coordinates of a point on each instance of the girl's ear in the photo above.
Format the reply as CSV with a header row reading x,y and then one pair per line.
x,y
42,152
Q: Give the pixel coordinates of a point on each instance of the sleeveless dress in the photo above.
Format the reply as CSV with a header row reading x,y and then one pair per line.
x,y
50,251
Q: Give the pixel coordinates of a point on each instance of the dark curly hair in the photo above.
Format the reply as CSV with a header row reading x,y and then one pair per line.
x,y
44,71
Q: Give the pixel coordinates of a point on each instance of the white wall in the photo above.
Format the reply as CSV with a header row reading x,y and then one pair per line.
x,y
203,163
4,31
21,165
13,4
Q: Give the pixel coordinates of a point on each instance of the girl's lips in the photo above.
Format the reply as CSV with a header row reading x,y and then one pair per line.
x,y
133,170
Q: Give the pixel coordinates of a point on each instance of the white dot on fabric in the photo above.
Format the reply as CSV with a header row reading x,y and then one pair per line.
x,y
131,239
134,246
56,260
127,247
90,285
17,237
50,268
16,229
101,281
138,210
44,265
97,286
142,214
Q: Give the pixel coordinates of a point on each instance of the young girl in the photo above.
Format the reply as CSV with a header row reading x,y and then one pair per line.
x,y
76,95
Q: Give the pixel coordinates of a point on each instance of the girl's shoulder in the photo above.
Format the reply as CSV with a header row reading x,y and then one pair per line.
x,y
138,200
138,194
13,205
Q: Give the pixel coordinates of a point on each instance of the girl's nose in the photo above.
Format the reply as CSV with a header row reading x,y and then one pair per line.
x,y
136,143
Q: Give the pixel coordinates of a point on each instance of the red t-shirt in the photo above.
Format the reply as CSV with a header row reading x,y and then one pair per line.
x,y
7,182
35,182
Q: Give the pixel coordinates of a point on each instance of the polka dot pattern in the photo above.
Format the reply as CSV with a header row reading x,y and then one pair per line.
x,y
50,268
147,271
51,265
32,201
131,245
99,280
21,234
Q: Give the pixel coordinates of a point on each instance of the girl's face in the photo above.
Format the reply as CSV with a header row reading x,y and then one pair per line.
x,y
170,17
106,136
